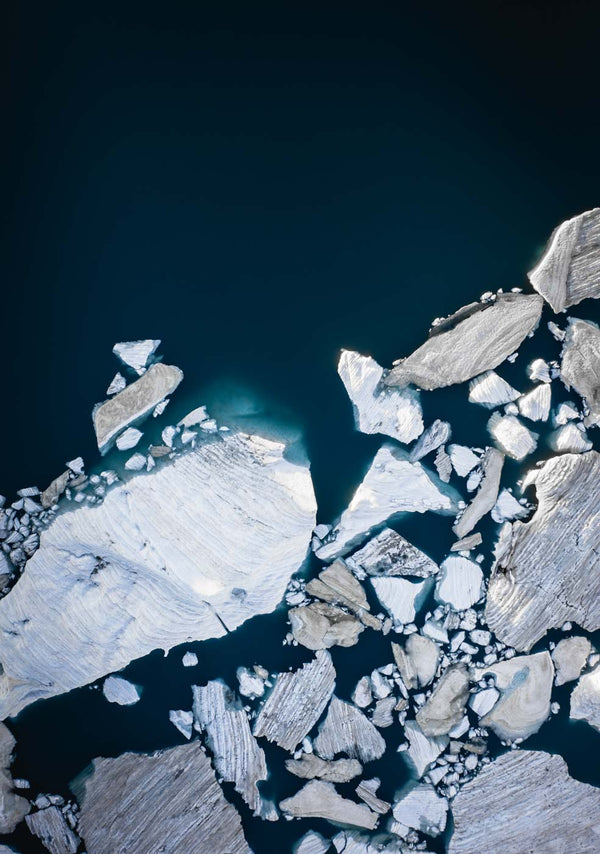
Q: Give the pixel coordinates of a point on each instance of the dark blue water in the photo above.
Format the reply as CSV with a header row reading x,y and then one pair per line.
x,y
259,187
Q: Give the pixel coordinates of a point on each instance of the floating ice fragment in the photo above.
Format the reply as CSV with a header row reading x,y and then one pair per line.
x,y
463,459
392,485
135,354
460,583
422,809
129,439
490,390
137,462
535,405
134,403
569,269
117,384
570,439
539,371
378,409
478,337
183,721
435,435
401,598
118,690
512,436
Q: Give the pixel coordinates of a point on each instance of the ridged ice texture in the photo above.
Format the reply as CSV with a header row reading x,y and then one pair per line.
x,y
169,801
236,755
199,544
585,699
392,485
569,270
525,801
348,731
296,702
378,409
547,570
580,365
476,339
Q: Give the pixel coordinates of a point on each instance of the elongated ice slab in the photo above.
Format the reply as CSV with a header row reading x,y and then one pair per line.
x,y
134,402
166,558
236,755
318,799
476,339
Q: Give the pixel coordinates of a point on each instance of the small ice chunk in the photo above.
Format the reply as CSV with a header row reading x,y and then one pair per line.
x,y
76,465
512,436
423,809
558,333
460,583
570,439
377,408
251,684
484,701
190,659
539,371
443,465
564,412
168,434
135,354
401,598
118,690
508,508
312,843
160,407
535,405
117,384
362,695
467,544
137,462
129,439
196,416
183,721
422,750
463,459
490,390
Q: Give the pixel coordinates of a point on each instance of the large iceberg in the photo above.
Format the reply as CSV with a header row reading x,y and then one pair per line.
x,y
187,552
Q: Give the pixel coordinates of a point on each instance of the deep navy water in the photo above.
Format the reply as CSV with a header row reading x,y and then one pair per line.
x,y
259,188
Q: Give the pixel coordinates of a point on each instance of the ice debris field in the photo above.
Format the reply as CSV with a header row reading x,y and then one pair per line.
x,y
457,659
